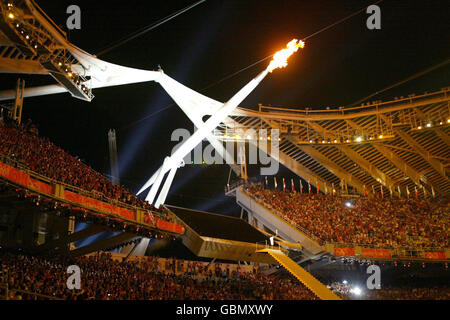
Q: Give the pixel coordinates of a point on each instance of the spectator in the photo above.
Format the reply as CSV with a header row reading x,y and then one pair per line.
x,y
22,143
379,222
106,279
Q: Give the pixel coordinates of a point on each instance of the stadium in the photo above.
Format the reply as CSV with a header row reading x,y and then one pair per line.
x,y
260,201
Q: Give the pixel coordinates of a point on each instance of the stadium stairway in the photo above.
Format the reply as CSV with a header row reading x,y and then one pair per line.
x,y
301,274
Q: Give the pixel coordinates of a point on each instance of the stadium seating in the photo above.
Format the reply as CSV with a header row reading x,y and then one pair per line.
x,y
377,222
392,293
22,144
104,278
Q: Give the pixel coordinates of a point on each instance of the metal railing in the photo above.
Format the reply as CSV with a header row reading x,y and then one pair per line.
x,y
90,194
23,294
375,105
395,252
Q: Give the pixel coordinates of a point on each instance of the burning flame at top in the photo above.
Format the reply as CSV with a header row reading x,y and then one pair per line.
x,y
280,58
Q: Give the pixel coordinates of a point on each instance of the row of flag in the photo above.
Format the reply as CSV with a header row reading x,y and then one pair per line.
x,y
301,186
408,193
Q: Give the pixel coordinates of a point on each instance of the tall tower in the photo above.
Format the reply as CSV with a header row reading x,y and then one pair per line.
x,y
113,156
18,101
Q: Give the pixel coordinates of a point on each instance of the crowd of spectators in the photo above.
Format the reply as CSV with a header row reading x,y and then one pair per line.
x,y
409,294
346,291
104,278
23,144
379,222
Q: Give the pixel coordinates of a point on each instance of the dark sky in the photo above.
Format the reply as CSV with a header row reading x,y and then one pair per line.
x,y
337,67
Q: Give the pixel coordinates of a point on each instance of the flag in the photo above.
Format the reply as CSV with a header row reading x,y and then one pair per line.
x,y
432,192
417,192
326,188
373,190
399,191
292,185
332,186
317,187
301,186
407,191
425,194
390,191
309,187
284,185
275,182
365,190
382,191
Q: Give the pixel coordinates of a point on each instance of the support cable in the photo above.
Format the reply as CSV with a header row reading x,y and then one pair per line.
x,y
252,65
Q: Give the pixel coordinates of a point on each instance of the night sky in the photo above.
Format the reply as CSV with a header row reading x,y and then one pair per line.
x,y
217,38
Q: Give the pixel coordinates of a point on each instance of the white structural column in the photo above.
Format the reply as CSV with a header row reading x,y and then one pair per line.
x,y
195,107
203,131
159,177
165,190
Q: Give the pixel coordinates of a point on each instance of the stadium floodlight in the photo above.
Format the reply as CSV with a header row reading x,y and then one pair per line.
x,y
344,282
348,204
356,291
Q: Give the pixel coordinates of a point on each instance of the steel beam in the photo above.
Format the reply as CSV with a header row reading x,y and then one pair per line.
x,y
293,165
8,65
333,167
59,243
352,155
346,114
443,136
435,164
103,244
407,170
373,171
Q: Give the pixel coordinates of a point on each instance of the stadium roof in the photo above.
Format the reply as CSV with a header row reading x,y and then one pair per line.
x,y
401,144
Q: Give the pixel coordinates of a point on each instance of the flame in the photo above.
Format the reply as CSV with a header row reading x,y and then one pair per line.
x,y
280,58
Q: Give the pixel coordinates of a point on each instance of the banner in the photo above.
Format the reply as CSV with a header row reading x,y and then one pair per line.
x,y
435,255
14,175
375,253
23,179
169,226
97,204
41,186
342,251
